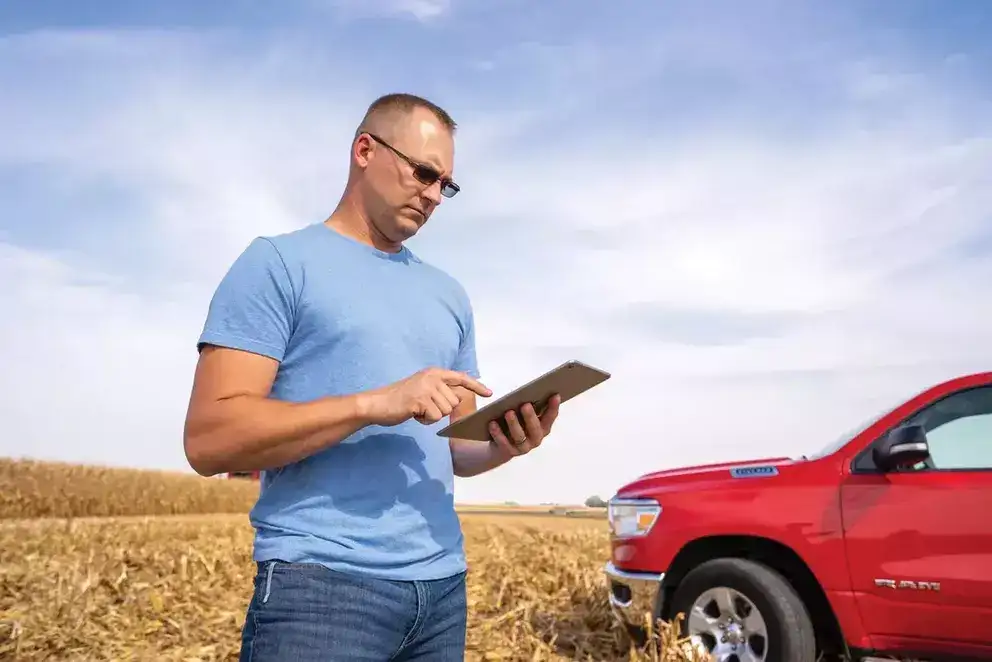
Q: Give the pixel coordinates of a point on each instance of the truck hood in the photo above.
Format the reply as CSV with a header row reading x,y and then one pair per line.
x,y
767,467
719,466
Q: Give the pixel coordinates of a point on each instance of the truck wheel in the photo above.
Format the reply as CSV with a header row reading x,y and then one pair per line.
x,y
742,611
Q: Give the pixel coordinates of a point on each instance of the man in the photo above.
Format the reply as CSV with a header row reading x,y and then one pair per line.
x,y
328,358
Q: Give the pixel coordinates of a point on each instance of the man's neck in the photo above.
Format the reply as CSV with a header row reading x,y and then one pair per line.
x,y
351,222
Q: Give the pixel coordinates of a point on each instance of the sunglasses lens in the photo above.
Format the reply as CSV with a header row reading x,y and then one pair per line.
x,y
426,175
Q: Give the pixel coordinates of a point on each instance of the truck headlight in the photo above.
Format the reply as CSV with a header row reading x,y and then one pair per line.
x,y
631,518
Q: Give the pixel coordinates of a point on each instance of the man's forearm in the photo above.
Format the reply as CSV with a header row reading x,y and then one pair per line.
x,y
249,433
471,458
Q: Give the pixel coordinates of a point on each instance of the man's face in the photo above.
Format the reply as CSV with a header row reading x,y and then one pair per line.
x,y
399,203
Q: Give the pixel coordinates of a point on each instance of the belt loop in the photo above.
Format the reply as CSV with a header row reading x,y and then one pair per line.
x,y
268,581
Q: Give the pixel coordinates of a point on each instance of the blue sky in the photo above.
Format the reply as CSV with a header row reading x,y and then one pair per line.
x,y
769,220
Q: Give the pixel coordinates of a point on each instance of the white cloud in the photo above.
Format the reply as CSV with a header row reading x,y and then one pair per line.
x,y
751,296
92,372
419,10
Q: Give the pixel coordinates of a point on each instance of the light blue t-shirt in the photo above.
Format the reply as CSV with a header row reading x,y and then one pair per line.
x,y
341,317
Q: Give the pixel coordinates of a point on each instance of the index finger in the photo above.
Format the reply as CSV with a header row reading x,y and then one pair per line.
x,y
453,378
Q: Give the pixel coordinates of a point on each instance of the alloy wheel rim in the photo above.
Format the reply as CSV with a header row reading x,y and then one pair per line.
x,y
729,625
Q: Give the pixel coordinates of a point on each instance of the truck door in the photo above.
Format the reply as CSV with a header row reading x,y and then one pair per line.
x,y
919,540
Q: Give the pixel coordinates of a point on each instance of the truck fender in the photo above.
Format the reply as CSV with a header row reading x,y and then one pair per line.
x,y
783,559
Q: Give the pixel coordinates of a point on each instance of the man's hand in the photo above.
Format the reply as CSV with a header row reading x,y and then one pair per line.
x,y
524,435
426,396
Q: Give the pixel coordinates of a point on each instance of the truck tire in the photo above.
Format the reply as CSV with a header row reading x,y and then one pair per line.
x,y
731,601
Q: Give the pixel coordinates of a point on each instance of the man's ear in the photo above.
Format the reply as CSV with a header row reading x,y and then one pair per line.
x,y
361,150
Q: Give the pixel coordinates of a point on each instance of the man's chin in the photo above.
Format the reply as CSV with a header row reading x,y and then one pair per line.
x,y
411,223
406,228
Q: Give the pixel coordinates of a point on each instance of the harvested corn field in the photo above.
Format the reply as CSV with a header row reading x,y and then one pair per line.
x,y
175,588
55,489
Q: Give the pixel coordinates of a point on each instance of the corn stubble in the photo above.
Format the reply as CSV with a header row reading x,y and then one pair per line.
x,y
175,587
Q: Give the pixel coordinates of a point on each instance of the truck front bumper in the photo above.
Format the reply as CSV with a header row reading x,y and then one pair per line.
x,y
633,596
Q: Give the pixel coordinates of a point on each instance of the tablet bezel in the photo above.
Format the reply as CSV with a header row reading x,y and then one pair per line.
x,y
569,379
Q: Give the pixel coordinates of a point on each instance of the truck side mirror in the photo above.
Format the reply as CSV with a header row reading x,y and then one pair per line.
x,y
903,447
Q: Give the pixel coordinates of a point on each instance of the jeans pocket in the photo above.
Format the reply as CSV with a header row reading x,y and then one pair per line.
x,y
305,611
295,581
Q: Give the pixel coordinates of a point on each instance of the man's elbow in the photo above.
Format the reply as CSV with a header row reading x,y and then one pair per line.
x,y
199,457
461,471
204,469
201,464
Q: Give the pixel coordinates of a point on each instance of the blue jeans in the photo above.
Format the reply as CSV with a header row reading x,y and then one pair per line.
x,y
301,612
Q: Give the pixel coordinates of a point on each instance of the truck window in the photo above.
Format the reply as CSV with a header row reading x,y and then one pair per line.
x,y
959,430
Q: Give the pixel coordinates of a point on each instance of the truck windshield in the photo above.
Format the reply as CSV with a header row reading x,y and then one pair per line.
x,y
839,442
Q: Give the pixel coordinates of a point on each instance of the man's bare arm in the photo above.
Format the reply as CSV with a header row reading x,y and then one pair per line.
x,y
470,457
232,424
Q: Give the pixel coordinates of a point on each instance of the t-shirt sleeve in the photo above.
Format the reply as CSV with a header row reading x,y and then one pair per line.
x,y
465,359
252,308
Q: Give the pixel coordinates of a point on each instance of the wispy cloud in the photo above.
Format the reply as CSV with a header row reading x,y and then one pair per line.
x,y
765,238
418,10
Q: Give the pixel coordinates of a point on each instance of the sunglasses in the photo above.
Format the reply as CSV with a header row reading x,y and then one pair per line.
x,y
423,173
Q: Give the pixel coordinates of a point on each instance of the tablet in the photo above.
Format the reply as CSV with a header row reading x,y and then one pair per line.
x,y
568,380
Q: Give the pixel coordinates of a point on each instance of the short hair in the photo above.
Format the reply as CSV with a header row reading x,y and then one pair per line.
x,y
401,102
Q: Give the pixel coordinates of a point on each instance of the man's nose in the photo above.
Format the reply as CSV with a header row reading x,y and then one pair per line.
x,y
433,193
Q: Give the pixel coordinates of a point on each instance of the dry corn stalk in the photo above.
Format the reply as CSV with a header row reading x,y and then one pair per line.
x,y
175,587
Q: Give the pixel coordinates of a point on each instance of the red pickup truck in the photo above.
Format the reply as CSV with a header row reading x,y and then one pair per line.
x,y
880,544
